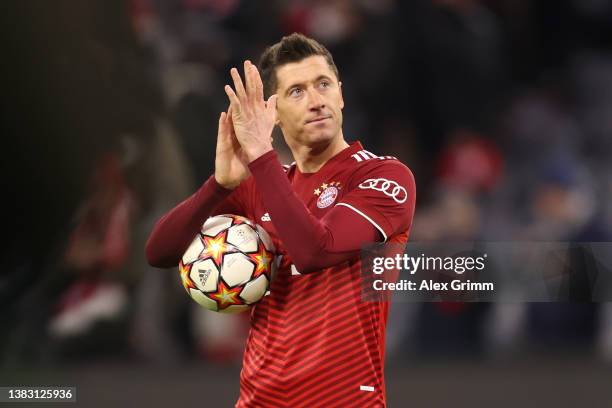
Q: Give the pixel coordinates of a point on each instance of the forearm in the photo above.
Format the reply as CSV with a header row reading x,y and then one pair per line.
x,y
311,243
175,230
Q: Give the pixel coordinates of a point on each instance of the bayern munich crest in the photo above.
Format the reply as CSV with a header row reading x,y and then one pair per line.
x,y
328,193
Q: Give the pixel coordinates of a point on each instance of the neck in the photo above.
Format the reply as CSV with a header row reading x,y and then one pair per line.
x,y
309,159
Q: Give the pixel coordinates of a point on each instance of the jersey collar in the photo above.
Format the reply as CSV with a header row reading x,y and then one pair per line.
x,y
352,148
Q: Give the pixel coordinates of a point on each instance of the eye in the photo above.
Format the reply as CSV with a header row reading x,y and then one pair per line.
x,y
324,84
295,92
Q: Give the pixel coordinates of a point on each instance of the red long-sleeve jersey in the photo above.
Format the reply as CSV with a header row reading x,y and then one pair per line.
x,y
313,341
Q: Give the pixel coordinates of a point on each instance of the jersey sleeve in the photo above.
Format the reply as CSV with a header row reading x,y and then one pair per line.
x,y
384,194
235,203
176,229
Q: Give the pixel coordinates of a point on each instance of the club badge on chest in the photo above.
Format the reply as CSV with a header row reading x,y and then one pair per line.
x,y
327,193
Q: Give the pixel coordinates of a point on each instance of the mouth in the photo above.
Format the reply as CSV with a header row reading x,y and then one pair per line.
x,y
318,119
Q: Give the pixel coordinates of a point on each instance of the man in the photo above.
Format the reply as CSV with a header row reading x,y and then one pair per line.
x,y
313,341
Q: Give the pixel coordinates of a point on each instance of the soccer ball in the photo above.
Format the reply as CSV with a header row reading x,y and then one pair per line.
x,y
229,264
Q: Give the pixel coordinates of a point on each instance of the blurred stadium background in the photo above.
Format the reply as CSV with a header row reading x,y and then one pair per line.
x,y
502,109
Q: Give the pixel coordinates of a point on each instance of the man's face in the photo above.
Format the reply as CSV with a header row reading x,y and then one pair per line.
x,y
309,101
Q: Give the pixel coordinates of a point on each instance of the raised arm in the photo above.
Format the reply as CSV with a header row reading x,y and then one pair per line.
x,y
364,215
220,193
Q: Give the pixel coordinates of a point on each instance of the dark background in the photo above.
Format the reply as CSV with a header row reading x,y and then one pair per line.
x,y
502,109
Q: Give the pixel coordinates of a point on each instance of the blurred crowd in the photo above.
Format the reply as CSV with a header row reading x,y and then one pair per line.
x,y
501,108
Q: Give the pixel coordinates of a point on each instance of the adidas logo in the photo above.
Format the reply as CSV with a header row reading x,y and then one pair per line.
x,y
203,275
266,217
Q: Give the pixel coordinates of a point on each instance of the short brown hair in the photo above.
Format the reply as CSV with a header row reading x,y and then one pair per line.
x,y
291,48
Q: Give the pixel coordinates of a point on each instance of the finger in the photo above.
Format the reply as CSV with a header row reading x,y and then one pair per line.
x,y
222,135
234,101
228,115
238,85
250,83
230,124
259,93
222,122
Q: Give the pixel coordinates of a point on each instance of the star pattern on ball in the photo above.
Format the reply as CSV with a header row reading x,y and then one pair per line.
x,y
215,247
226,296
247,244
185,278
237,220
262,259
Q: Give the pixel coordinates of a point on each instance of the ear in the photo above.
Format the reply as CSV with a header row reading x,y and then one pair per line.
x,y
277,121
341,97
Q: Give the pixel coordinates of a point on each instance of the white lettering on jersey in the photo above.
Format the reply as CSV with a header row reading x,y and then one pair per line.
x,y
363,155
266,217
388,187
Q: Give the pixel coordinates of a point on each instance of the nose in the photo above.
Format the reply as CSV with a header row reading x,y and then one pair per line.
x,y
315,100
